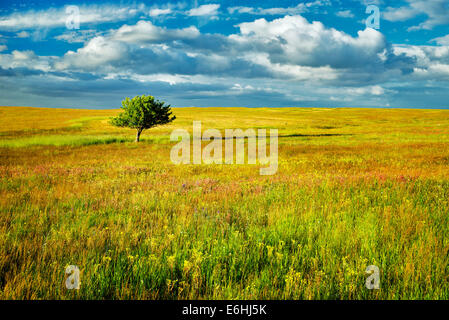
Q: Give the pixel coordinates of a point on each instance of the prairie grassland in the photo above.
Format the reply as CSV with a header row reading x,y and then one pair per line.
x,y
355,187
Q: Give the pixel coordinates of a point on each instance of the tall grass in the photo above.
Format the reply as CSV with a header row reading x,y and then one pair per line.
x,y
61,140
374,193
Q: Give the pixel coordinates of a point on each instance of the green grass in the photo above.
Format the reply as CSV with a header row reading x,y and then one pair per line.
x,y
355,187
62,140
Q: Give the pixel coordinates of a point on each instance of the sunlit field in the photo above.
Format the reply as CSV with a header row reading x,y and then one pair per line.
x,y
355,187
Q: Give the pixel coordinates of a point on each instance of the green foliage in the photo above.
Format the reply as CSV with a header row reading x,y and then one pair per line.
x,y
62,140
143,112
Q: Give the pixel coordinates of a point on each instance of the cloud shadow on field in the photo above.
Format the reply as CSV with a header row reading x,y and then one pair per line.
x,y
295,135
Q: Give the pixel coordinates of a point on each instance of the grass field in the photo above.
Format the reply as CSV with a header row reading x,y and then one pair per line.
x,y
355,187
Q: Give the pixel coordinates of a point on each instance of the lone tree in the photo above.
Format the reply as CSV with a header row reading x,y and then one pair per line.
x,y
143,112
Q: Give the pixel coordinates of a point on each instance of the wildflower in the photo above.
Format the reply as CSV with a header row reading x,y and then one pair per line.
x,y
187,266
281,244
171,261
270,251
279,256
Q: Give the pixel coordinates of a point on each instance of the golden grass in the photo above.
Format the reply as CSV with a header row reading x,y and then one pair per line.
x,y
354,187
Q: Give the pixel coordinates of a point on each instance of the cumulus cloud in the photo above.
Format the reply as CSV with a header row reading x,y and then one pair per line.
x,y
432,62
287,61
293,40
99,51
437,12
26,59
289,48
424,55
145,31
444,41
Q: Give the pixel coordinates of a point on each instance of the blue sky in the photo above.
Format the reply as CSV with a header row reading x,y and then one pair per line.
x,y
316,53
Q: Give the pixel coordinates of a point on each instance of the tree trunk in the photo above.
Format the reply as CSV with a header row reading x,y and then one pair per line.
x,y
138,135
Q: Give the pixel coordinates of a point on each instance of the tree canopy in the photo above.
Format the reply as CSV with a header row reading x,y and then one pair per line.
x,y
143,112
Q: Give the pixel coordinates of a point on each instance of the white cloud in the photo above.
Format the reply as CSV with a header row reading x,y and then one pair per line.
x,y
171,79
204,10
289,71
437,12
304,61
97,52
351,92
377,90
345,14
286,48
399,14
56,17
3,47
145,31
373,2
159,12
26,59
372,90
241,9
293,40
78,36
300,8
23,34
444,41
424,55
432,62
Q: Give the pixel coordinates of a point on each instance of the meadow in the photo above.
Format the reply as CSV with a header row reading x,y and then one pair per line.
x,y
355,187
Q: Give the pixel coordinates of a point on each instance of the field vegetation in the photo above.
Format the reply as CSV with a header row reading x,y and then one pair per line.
x,y
355,187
